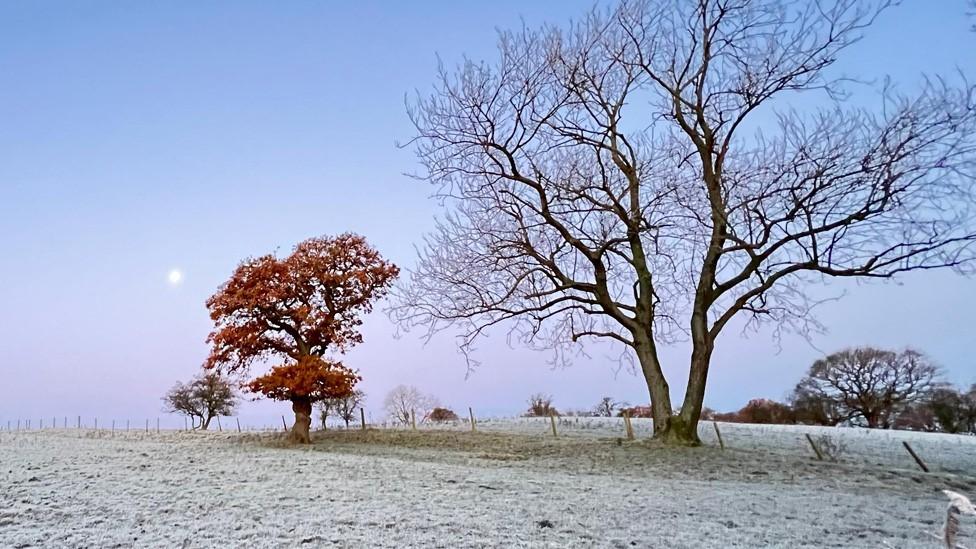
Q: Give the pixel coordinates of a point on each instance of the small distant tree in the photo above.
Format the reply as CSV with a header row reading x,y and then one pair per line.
x,y
607,407
916,417
343,407
443,414
953,410
403,401
870,385
970,403
540,405
813,407
201,399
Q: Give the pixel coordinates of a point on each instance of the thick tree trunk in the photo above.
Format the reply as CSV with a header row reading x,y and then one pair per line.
x,y
303,420
657,385
204,423
684,430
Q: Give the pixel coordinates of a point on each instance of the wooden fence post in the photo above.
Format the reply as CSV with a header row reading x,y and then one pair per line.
x,y
126,426
628,425
96,423
471,415
814,446
718,433
552,421
284,426
362,417
157,425
413,420
147,425
238,424
79,422
113,425
220,428
918,460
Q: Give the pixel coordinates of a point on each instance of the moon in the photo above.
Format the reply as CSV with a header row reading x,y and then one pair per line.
x,y
175,276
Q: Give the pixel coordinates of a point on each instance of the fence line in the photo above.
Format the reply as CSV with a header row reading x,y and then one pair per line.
x,y
820,443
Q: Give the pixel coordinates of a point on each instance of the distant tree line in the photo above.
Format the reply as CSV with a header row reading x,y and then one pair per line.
x,y
872,388
864,386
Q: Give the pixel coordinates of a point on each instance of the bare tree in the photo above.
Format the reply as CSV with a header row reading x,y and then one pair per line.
x,y
344,408
540,405
404,401
628,179
607,407
871,385
201,399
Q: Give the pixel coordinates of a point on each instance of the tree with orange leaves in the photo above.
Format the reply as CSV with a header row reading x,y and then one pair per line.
x,y
298,308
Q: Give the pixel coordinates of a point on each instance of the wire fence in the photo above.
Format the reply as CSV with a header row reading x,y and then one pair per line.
x,y
887,448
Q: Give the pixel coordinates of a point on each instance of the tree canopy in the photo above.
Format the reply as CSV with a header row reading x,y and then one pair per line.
x,y
298,309
650,173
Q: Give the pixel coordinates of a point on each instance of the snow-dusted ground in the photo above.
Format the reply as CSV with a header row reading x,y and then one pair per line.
x,y
509,485
948,453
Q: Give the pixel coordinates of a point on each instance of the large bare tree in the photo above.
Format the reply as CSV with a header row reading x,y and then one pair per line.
x,y
869,385
664,166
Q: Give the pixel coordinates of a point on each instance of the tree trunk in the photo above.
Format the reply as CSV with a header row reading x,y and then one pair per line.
x,y
657,385
303,420
684,430
204,423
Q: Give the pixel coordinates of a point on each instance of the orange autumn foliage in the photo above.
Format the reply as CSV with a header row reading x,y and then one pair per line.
x,y
310,378
303,305
298,308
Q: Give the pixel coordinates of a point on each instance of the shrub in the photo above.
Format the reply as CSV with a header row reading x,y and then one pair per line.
x,y
760,410
638,411
540,405
442,414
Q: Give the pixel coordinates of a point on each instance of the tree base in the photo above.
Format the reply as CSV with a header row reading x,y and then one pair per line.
x,y
303,422
679,432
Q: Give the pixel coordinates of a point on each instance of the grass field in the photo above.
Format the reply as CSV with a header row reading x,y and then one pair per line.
x,y
507,485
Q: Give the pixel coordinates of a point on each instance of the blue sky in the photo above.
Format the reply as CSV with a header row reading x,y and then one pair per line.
x,y
140,137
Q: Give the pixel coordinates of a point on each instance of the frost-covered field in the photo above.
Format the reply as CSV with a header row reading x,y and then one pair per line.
x,y
508,485
949,453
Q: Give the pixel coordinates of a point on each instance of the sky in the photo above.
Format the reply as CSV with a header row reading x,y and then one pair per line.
x,y
141,137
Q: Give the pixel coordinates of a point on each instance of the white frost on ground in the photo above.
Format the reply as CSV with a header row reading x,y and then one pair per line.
x,y
77,488
950,453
